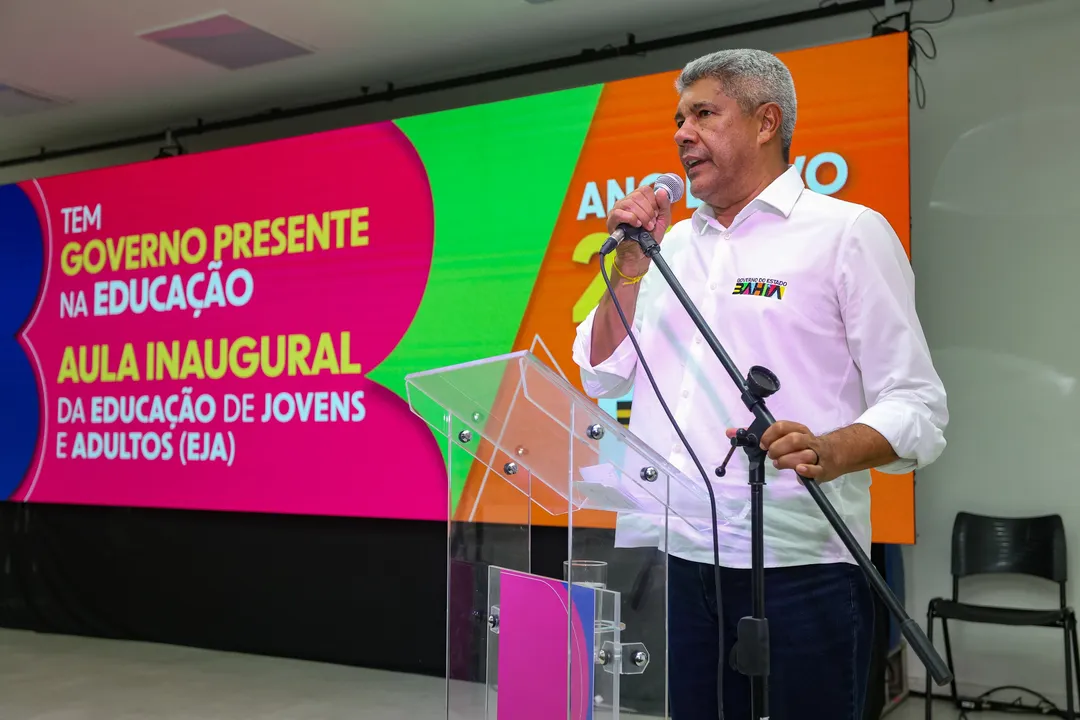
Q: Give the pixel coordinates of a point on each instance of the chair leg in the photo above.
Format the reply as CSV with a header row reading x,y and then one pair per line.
x,y
1076,654
929,701
949,661
1070,628
1074,667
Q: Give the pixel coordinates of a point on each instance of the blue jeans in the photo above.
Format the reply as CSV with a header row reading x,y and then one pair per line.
x,y
820,626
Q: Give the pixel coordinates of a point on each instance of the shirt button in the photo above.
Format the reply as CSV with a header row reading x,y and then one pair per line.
x,y
713,287
697,340
686,393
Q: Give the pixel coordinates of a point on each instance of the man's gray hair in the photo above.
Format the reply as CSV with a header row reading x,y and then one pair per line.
x,y
751,78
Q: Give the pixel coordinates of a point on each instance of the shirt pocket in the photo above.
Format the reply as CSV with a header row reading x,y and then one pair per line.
x,y
788,302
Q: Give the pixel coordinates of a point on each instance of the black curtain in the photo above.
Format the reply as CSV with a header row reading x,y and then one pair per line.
x,y
352,591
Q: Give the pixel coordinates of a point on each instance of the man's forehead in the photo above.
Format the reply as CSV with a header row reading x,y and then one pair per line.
x,y
706,91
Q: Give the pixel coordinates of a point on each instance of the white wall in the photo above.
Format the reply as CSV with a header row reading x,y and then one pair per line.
x,y
995,217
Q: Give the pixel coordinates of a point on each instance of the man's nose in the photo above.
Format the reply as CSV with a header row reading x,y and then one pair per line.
x,y
685,135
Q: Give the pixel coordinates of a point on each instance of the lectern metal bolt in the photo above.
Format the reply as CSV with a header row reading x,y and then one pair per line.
x,y
602,657
464,436
510,468
595,431
649,474
521,450
640,658
476,417
493,622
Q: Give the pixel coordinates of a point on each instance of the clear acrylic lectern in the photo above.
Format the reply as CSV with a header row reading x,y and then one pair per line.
x,y
546,617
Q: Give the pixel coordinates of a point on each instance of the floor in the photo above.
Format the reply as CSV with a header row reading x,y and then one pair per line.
x,y
46,677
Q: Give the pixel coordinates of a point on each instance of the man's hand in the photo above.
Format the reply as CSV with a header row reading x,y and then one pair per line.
x,y
792,446
641,208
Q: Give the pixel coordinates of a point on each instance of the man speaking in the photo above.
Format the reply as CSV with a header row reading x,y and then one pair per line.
x,y
817,290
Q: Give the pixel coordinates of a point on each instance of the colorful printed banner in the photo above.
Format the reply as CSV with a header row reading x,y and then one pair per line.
x,y
231,330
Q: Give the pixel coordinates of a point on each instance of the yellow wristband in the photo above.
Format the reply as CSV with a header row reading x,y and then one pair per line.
x,y
626,278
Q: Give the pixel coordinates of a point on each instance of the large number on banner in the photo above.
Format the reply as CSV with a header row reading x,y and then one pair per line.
x,y
587,248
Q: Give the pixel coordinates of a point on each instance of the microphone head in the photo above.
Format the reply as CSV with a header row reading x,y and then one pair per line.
x,y
673,184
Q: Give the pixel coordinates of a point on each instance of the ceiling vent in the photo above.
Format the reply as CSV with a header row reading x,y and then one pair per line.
x,y
19,101
226,42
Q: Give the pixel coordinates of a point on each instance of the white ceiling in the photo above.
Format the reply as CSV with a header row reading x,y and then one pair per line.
x,y
114,83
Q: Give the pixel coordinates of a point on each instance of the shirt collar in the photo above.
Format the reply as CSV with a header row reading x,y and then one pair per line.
x,y
780,195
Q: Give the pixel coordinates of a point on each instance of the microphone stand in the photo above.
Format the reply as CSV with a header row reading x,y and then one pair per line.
x,y
751,653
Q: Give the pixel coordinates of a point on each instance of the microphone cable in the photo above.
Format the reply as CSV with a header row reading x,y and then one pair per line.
x,y
701,469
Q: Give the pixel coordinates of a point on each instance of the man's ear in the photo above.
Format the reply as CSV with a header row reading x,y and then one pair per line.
x,y
771,116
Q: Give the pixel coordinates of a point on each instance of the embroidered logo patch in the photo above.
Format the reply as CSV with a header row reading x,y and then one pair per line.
x,y
761,287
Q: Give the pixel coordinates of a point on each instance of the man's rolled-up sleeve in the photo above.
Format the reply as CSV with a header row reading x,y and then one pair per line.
x,y
614,377
905,398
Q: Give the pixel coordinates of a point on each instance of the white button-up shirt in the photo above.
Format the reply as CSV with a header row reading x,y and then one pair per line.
x,y
821,292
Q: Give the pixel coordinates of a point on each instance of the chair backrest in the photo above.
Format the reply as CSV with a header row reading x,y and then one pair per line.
x,y
1023,546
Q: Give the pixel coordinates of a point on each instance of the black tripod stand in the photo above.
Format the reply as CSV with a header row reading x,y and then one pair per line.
x,y
751,653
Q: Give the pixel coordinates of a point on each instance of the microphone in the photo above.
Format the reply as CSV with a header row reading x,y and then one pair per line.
x,y
670,183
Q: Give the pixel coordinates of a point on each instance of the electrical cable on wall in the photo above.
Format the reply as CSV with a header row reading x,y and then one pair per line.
x,y
886,25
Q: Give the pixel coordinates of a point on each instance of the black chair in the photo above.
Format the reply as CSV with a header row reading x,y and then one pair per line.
x,y
1032,546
